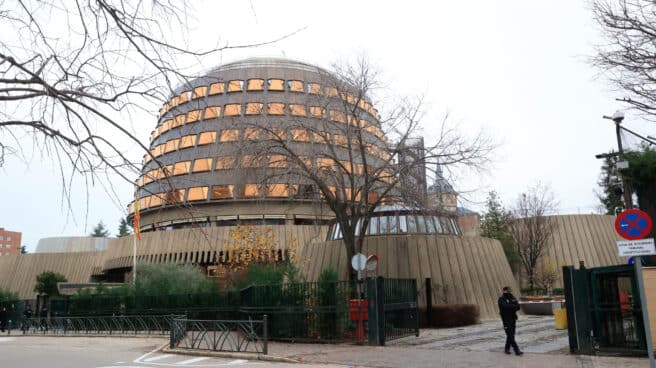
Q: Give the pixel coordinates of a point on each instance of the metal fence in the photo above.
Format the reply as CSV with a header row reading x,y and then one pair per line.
x,y
227,336
100,325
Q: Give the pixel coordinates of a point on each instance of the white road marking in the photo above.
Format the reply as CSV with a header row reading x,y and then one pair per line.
x,y
157,357
193,360
238,361
6,339
138,360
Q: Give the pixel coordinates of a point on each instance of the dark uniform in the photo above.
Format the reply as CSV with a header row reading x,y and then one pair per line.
x,y
3,319
508,307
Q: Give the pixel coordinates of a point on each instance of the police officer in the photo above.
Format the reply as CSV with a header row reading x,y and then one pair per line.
x,y
508,307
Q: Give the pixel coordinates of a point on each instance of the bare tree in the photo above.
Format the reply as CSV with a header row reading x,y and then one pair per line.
x,y
629,54
353,160
532,227
74,74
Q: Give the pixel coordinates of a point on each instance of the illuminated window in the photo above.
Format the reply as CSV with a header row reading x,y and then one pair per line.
x,y
181,168
171,145
199,92
153,134
217,88
325,163
276,84
207,138
314,88
295,86
222,191
144,202
297,110
193,116
167,171
156,200
235,86
254,108
277,134
174,196
331,91
351,99
165,126
321,137
317,112
147,158
140,181
184,97
202,164
212,112
178,121
251,161
255,85
232,110
340,140
306,161
337,116
347,166
277,161
187,141
225,163
277,190
275,108
251,190
175,101
229,135
197,194
332,189
372,197
300,135
252,134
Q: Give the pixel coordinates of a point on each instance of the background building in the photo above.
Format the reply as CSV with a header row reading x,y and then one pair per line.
x,y
10,242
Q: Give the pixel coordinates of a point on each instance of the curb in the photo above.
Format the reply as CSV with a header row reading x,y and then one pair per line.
x,y
221,354
89,335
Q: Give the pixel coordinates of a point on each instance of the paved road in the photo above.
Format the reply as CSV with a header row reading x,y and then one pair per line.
x,y
100,352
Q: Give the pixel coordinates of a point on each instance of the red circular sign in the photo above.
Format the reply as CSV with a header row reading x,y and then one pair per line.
x,y
633,224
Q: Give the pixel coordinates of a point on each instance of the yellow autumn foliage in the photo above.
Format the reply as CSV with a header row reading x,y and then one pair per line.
x,y
249,244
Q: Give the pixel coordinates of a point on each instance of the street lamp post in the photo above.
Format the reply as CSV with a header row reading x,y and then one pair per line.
x,y
617,118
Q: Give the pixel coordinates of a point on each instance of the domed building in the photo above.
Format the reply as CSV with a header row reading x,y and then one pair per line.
x,y
215,156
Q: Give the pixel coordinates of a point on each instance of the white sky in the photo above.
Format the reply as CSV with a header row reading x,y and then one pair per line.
x,y
517,69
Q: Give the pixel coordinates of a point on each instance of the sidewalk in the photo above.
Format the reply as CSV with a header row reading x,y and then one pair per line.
x,y
409,356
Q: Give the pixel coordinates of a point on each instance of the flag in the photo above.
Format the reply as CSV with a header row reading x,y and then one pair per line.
x,y
135,223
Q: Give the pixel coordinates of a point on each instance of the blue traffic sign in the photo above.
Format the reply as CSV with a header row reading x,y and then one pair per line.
x,y
633,224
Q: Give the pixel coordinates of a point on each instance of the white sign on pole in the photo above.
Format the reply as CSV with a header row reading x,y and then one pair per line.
x,y
642,247
359,262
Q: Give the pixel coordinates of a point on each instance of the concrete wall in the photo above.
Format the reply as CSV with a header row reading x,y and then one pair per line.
x,y
68,244
18,272
470,270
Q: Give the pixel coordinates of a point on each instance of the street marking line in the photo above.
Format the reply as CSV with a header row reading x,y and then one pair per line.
x,y
6,339
157,357
138,360
193,360
238,361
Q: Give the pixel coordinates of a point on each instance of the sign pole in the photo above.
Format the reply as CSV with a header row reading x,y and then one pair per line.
x,y
645,312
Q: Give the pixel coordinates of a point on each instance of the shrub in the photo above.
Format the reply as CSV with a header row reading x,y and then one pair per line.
x,y
453,315
328,299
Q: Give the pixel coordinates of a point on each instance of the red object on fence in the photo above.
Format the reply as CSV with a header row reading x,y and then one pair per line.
x,y
360,315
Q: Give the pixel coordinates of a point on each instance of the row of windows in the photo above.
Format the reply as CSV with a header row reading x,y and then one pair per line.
x,y
272,84
205,164
402,224
255,134
258,108
230,191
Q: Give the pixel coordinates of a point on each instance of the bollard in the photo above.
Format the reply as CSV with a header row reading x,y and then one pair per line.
x,y
265,332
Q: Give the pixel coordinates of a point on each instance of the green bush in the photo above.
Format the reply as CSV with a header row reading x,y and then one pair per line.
x,y
329,300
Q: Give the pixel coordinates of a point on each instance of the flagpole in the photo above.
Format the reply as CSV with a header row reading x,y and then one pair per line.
x,y
134,259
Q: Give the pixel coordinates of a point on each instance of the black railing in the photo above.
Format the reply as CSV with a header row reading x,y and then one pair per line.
x,y
101,325
224,335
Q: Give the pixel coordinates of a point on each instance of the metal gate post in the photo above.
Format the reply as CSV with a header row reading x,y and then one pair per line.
x,y
429,302
380,306
372,310
570,303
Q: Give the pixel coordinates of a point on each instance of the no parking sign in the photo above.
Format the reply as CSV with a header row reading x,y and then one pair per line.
x,y
633,224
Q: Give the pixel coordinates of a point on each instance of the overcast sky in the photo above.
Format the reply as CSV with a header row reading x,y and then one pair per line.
x,y
517,69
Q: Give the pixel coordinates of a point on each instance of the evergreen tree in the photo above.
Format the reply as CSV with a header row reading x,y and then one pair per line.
x,y
123,228
100,231
23,249
611,195
642,173
46,282
495,224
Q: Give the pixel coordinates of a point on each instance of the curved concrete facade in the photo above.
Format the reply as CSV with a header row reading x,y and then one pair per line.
x,y
470,270
68,244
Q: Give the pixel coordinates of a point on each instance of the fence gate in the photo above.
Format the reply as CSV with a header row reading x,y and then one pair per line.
x,y
393,311
603,308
